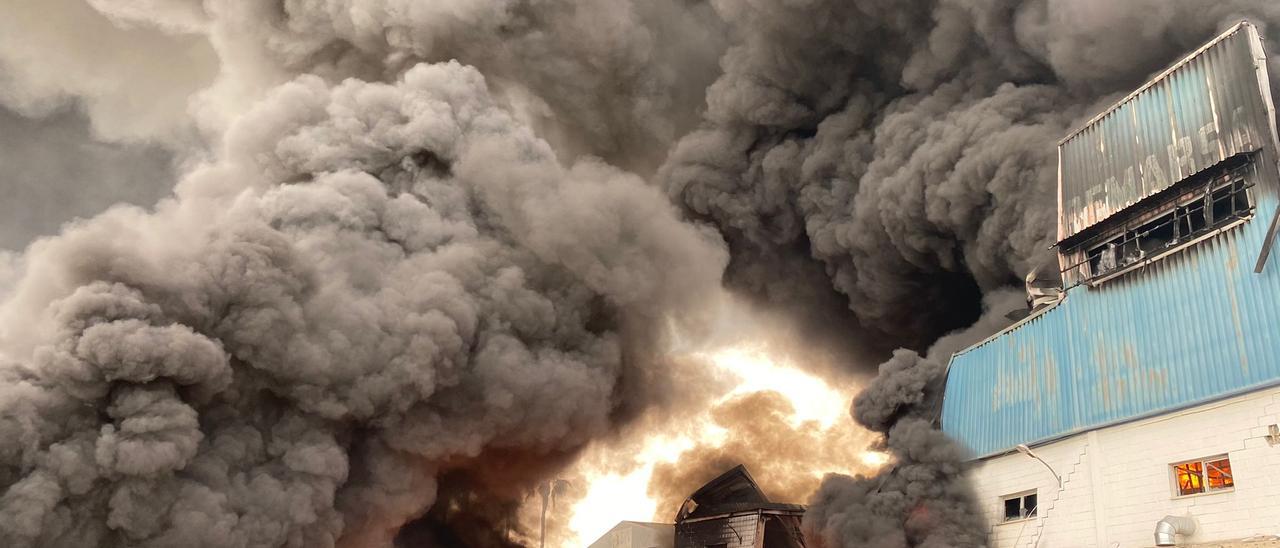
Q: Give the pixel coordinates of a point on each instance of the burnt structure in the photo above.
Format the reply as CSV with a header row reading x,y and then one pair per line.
x,y
1139,403
732,511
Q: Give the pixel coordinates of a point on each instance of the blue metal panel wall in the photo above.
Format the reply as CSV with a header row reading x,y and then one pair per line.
x,y
1199,113
1193,327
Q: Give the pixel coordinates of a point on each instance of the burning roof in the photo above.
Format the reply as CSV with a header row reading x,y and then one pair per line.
x,y
731,510
733,491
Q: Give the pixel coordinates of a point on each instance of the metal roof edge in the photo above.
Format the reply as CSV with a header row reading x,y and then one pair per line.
x,y
1161,76
1009,328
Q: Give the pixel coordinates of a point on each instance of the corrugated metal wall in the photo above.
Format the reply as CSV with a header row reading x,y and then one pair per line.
x,y
1203,111
1190,328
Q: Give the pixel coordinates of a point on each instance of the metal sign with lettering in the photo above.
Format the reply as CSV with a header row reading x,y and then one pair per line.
x,y
1205,109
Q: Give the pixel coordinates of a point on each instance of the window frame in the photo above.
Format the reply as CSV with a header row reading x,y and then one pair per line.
x,y
1081,259
1233,185
1022,500
1176,489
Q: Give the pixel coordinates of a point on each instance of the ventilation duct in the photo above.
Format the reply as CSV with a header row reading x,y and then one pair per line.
x,y
1173,525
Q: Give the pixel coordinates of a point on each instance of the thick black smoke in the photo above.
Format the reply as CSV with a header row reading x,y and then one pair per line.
x,y
375,286
393,278
921,498
909,147
379,284
619,79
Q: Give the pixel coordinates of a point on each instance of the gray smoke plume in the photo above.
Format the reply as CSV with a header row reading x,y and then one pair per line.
x,y
618,79
403,281
392,286
374,287
909,147
921,498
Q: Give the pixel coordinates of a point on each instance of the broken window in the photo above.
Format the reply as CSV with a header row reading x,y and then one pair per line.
x,y
1202,476
1208,209
1019,506
1149,230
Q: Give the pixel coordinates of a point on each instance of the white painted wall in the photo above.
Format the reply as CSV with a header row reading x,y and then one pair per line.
x,y
1116,480
630,534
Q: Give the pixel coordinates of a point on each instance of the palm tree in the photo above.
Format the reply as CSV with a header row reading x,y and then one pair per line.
x,y
549,491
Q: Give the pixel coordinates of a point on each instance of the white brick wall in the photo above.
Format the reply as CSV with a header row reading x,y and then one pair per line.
x,y
1121,473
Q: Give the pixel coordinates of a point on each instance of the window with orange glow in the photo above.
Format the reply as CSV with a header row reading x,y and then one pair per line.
x,y
1202,476
1189,478
1219,474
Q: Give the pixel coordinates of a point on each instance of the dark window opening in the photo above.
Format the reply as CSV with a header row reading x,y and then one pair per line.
x,y
1190,216
1019,506
782,532
1012,508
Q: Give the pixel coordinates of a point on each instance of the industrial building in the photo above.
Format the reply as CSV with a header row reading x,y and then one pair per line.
x,y
1138,405
637,534
730,511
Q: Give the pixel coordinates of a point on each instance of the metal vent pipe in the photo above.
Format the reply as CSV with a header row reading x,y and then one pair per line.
x,y
1173,525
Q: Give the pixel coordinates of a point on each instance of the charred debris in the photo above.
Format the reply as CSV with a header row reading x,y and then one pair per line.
x,y
730,511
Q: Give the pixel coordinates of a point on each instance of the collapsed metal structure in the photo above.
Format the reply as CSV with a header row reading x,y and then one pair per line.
x,y
731,511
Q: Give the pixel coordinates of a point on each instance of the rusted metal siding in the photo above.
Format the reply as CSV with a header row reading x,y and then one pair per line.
x,y
1203,110
1196,326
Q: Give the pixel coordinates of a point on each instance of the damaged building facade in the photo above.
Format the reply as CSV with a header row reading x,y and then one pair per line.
x,y
730,511
1140,405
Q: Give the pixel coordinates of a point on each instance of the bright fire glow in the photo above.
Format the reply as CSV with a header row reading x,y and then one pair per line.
x,y
623,497
614,497
874,458
812,398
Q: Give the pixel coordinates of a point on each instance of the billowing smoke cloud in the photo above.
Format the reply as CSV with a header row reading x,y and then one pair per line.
x,y
388,288
133,79
375,287
908,147
922,497
397,290
620,79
